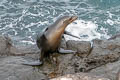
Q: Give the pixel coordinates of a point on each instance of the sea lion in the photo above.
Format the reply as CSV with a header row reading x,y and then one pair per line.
x,y
50,40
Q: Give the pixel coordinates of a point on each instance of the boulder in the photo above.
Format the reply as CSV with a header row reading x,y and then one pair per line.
x,y
83,48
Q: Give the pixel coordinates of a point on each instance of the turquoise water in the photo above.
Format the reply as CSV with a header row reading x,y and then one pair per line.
x,y
24,19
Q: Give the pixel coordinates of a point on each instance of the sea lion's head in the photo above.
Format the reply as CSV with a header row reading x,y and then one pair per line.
x,y
65,20
62,22
56,30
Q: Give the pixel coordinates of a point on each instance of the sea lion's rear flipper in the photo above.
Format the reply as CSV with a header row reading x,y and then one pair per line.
x,y
61,50
68,33
33,63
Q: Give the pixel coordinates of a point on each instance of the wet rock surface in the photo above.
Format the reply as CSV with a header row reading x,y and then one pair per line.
x,y
101,61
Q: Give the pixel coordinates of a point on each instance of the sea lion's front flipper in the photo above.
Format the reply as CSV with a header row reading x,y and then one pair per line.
x,y
68,33
33,63
61,50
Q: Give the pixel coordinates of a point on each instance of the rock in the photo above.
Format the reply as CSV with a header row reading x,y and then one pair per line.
x,y
64,66
92,60
109,70
118,75
83,48
31,49
12,69
87,64
114,36
103,47
63,44
5,45
80,76
7,48
103,52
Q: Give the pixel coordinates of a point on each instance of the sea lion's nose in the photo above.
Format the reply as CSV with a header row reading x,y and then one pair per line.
x,y
74,17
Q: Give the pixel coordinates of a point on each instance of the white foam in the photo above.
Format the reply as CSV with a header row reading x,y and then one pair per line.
x,y
109,21
86,30
110,14
28,42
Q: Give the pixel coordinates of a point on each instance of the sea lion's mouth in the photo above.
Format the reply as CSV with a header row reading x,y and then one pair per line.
x,y
73,18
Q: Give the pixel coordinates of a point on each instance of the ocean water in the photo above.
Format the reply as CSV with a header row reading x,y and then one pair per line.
x,y
22,20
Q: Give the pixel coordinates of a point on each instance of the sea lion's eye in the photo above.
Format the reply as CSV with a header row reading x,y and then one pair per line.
x,y
70,18
46,29
64,21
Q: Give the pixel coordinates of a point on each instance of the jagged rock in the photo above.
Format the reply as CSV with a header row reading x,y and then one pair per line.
x,y
80,76
83,48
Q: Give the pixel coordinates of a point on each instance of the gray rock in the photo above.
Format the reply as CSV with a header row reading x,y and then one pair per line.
x,y
109,70
31,49
83,48
65,62
7,48
103,47
63,44
114,36
12,69
80,76
118,75
5,44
